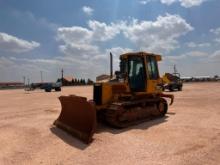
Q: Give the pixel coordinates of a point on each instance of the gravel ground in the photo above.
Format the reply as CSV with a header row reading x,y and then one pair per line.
x,y
189,134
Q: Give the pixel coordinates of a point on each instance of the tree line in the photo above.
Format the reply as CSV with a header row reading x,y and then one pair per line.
x,y
75,82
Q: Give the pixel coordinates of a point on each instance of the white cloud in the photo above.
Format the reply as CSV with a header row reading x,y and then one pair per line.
x,y
174,58
191,3
33,21
160,35
84,42
196,54
192,63
216,55
217,40
102,31
87,10
191,54
97,31
144,2
118,50
168,2
5,62
191,44
11,43
205,44
194,45
41,22
216,32
79,50
31,68
184,3
74,34
83,45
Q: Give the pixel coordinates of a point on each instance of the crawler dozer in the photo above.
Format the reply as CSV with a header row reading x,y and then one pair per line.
x,y
132,95
172,81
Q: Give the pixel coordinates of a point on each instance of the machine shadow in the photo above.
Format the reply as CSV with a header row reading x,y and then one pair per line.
x,y
68,139
174,91
171,113
103,127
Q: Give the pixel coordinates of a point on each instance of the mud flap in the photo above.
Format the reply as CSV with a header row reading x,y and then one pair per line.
x,y
77,117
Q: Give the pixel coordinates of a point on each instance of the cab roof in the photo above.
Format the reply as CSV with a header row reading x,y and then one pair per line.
x,y
126,55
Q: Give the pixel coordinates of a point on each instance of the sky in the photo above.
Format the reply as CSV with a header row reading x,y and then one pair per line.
x,y
45,36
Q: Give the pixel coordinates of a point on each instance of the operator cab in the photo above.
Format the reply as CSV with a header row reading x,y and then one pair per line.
x,y
139,68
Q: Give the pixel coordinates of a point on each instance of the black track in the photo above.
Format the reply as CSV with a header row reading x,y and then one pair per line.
x,y
124,114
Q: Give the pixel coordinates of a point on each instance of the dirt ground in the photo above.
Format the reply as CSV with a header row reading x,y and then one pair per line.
x,y
189,134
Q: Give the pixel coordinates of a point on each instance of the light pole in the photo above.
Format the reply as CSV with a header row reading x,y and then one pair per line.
x,y
24,78
41,76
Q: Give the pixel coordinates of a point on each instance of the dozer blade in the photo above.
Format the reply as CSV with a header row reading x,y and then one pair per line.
x,y
77,117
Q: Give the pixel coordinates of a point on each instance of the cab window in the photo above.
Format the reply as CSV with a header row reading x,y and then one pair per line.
x,y
136,74
152,68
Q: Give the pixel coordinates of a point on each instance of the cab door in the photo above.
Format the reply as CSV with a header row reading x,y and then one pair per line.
x,y
153,74
136,74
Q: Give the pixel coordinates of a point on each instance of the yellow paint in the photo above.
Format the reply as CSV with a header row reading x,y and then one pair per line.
x,y
106,93
151,85
165,79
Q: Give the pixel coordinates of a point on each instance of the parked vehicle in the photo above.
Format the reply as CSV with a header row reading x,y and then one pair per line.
x,y
46,86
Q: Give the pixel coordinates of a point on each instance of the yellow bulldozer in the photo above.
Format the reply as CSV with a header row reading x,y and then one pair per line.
x,y
172,81
133,95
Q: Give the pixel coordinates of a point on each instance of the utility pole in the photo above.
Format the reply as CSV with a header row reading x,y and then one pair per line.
x,y
24,78
62,75
41,76
28,81
174,68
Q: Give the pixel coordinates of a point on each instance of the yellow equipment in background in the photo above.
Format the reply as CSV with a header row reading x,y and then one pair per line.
x,y
133,96
165,79
172,82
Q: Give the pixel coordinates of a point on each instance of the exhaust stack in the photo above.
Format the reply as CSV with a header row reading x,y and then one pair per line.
x,y
111,66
